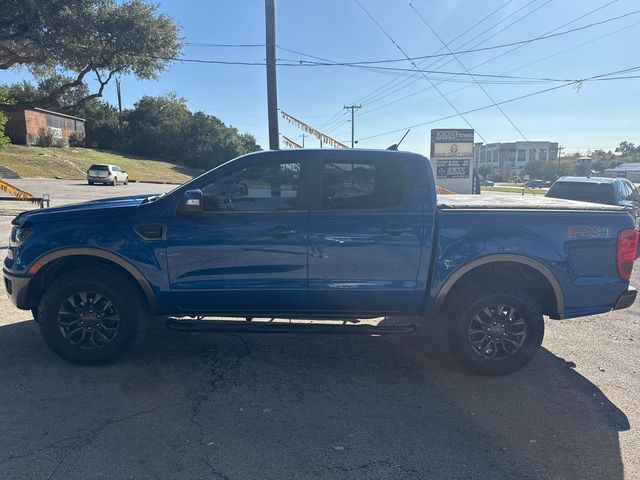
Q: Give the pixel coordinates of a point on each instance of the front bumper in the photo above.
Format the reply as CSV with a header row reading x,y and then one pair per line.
x,y
17,288
626,299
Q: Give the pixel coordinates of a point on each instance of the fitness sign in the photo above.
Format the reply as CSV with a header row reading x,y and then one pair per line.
x,y
452,151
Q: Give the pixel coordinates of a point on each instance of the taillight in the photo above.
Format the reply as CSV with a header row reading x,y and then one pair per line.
x,y
626,254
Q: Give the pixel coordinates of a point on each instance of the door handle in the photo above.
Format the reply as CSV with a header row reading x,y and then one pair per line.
x,y
281,231
395,229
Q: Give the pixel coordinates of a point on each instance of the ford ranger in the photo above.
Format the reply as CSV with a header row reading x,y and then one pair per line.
x,y
320,234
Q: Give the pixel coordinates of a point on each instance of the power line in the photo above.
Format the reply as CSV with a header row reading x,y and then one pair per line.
x,y
600,77
400,81
509,71
472,68
424,20
413,63
388,93
479,22
288,63
225,45
385,86
451,53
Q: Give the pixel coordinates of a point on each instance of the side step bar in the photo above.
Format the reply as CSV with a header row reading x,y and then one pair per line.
x,y
281,327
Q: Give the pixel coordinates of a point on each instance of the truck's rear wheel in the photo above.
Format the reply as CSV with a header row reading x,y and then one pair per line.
x,y
497,333
90,317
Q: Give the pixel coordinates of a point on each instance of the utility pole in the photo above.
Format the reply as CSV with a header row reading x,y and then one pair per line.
x,y
272,91
303,136
119,96
353,109
559,155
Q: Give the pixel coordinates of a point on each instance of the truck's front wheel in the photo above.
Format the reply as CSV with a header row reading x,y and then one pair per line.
x,y
90,316
497,333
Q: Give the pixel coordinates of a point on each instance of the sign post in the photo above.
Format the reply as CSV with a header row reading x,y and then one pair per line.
x,y
452,159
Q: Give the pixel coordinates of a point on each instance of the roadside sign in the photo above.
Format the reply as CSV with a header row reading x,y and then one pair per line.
x,y
452,158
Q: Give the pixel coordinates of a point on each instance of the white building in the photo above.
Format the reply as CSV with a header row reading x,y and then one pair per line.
x,y
513,155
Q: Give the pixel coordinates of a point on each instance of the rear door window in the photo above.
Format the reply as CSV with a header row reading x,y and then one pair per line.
x,y
629,191
364,185
584,192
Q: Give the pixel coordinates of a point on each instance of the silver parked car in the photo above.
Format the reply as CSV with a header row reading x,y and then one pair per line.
x,y
107,175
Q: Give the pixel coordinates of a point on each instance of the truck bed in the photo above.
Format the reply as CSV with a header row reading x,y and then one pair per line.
x,y
517,202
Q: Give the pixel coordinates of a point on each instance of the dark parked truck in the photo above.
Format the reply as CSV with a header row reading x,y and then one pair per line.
x,y
320,234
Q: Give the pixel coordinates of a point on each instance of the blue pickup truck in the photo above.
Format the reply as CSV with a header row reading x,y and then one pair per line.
x,y
320,234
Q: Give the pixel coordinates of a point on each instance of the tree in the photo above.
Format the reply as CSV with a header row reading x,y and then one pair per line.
x,y
102,125
63,41
24,92
163,127
4,140
546,170
157,125
626,149
486,171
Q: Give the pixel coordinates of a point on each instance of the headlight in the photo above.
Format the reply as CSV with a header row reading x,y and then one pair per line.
x,y
18,236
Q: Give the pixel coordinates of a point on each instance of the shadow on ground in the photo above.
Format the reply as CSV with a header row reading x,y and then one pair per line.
x,y
258,406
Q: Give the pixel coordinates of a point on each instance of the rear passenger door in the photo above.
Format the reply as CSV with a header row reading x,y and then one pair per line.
x,y
365,237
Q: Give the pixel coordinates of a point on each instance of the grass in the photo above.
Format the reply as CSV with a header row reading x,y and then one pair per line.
x,y
515,189
72,163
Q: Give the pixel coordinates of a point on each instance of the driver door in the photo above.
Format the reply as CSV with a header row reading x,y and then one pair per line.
x,y
247,252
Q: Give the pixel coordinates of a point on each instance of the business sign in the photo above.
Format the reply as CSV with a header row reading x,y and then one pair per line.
x,y
452,168
451,152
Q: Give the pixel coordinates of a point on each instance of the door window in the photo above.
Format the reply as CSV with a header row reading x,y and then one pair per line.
x,y
260,187
363,186
632,192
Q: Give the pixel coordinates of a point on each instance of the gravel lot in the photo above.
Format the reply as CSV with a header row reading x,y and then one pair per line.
x,y
220,406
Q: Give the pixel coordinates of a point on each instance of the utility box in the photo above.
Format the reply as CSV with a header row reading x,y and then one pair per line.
x,y
452,159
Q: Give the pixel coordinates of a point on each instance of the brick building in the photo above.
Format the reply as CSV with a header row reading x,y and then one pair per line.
x,y
24,127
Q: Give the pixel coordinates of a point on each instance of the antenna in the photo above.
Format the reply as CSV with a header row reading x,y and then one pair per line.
x,y
396,145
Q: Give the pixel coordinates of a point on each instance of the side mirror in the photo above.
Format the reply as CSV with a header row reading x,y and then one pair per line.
x,y
192,202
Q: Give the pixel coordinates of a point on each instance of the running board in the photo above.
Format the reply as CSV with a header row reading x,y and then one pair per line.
x,y
281,327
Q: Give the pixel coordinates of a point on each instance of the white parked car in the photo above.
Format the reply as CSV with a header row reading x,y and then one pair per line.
x,y
107,175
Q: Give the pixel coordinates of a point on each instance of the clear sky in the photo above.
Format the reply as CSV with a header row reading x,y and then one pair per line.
x,y
596,115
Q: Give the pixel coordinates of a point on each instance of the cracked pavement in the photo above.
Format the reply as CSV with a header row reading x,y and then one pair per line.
x,y
218,406
221,406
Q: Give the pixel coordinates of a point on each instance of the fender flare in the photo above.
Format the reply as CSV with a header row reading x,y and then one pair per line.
x,y
106,255
503,257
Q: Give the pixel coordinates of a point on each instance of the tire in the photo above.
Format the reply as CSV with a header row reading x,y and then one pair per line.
x,y
115,182
34,312
90,182
126,182
88,333
484,345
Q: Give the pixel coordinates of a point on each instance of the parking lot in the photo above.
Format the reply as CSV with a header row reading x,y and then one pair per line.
x,y
221,406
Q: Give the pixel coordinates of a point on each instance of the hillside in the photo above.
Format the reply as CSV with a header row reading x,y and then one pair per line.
x,y
72,163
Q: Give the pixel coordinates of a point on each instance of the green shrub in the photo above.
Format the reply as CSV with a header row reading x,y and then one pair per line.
x,y
76,139
4,140
45,137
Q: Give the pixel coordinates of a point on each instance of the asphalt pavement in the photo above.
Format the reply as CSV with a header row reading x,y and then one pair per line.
x,y
220,406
